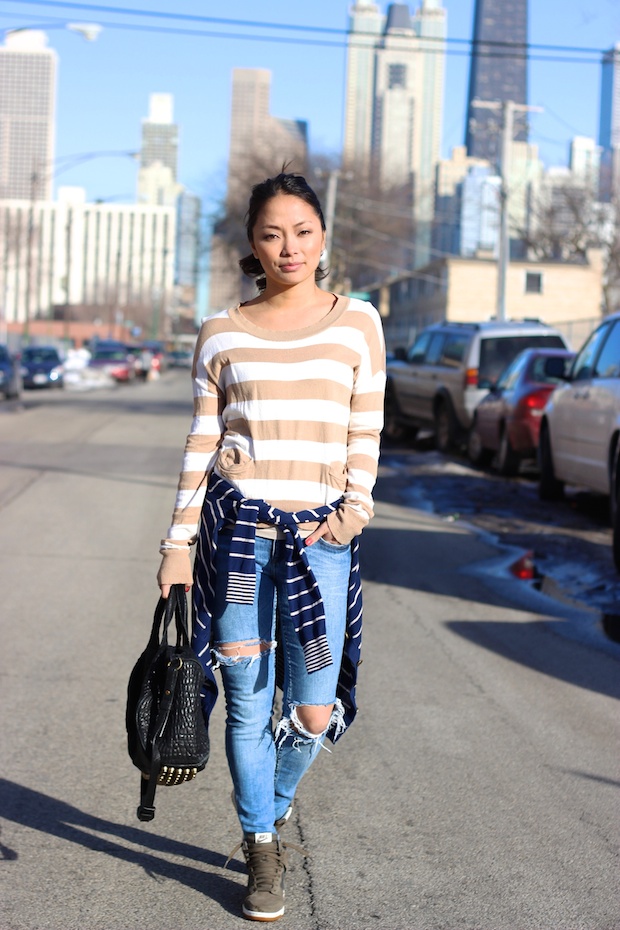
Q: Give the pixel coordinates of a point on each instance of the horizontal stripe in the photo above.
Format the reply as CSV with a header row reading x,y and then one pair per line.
x,y
319,389
335,370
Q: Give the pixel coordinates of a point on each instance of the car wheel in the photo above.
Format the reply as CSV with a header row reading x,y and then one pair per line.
x,y
393,427
549,488
444,427
476,452
615,508
507,458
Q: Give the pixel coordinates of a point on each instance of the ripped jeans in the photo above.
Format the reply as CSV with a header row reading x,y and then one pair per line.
x,y
266,767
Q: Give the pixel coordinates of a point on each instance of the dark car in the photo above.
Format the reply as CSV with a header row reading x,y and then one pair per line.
x,y
10,377
507,421
41,367
115,361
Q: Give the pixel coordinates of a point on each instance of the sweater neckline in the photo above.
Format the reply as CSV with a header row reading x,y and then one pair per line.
x,y
286,335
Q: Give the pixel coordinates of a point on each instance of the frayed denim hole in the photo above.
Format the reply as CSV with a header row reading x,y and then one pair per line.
x,y
243,661
292,726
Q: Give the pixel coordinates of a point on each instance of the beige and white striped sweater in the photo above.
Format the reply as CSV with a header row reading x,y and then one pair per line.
x,y
290,417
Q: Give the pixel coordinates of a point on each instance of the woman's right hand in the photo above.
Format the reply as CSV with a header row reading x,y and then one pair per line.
x,y
165,590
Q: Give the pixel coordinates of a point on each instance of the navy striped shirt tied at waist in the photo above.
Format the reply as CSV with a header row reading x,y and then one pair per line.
x,y
225,506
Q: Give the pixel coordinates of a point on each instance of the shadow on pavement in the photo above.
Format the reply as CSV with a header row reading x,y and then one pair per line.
x,y
437,562
535,645
427,560
39,811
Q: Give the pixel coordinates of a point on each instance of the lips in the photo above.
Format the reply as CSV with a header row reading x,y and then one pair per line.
x,y
293,266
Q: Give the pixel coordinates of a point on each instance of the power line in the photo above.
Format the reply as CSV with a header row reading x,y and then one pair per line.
x,y
486,49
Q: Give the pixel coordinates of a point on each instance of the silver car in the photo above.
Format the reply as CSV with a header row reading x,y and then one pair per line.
x,y
580,428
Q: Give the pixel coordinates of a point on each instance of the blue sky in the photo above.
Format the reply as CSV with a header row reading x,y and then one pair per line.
x,y
104,86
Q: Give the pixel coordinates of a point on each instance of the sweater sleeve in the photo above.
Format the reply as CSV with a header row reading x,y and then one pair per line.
x,y
201,448
364,432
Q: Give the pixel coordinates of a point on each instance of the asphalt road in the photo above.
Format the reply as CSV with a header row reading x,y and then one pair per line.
x,y
478,789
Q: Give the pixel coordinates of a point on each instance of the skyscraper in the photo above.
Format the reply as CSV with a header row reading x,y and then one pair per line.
x,y
157,177
609,124
394,102
260,144
366,26
498,71
259,141
27,104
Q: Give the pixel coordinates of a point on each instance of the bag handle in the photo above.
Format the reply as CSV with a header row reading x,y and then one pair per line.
x,y
174,606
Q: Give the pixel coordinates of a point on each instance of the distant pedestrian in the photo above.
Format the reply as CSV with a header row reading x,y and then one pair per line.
x,y
276,487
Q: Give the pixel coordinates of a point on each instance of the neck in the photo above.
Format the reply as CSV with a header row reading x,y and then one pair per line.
x,y
299,295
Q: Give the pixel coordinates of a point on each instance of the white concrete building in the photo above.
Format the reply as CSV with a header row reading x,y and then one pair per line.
x,y
74,253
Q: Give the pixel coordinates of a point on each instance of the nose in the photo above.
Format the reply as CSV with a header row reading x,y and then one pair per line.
x,y
288,246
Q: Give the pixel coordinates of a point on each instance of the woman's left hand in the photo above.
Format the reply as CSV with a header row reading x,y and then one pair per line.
x,y
322,532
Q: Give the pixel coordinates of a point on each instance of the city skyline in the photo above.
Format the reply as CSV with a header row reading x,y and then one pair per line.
x,y
308,84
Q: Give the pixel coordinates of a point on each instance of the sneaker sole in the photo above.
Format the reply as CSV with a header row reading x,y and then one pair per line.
x,y
261,915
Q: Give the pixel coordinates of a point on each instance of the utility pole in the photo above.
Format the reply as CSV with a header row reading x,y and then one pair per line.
x,y
508,109
330,213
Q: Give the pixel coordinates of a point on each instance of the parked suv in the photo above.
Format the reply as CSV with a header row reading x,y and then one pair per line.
x,y
580,428
438,383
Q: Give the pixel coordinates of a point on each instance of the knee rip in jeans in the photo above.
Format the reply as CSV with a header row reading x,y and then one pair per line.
x,y
243,653
292,726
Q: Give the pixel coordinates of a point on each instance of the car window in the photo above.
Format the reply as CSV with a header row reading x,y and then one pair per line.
x,y
4,355
497,352
433,353
538,371
418,350
607,364
583,366
453,350
114,355
41,355
509,377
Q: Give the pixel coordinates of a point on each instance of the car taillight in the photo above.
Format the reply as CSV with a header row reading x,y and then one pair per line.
x,y
471,377
535,401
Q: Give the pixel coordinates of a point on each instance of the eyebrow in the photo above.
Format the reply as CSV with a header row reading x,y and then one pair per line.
x,y
274,226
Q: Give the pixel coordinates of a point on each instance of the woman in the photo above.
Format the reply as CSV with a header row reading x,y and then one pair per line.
x,y
278,472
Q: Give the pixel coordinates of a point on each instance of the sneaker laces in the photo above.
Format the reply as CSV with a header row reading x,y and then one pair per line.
x,y
284,844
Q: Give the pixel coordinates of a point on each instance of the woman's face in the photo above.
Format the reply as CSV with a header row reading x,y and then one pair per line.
x,y
287,240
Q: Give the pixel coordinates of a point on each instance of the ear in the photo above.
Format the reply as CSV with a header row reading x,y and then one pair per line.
x,y
253,249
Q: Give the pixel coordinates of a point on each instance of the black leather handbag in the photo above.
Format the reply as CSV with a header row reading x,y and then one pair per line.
x,y
166,731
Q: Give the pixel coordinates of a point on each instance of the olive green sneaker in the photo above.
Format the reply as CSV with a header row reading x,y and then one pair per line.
x,y
266,861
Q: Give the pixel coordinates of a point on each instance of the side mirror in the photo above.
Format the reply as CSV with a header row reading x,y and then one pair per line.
x,y
555,367
400,354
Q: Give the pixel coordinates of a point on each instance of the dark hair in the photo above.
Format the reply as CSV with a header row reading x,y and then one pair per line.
x,y
295,186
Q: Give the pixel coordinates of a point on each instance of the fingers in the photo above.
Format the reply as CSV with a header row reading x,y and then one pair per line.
x,y
322,531
165,590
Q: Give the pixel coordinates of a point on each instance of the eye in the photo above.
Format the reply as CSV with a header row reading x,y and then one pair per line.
x,y
305,232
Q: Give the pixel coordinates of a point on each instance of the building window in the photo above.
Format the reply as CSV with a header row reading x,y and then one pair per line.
x,y
533,282
397,76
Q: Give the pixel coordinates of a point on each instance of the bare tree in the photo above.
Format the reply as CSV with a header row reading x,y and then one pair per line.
x,y
565,222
